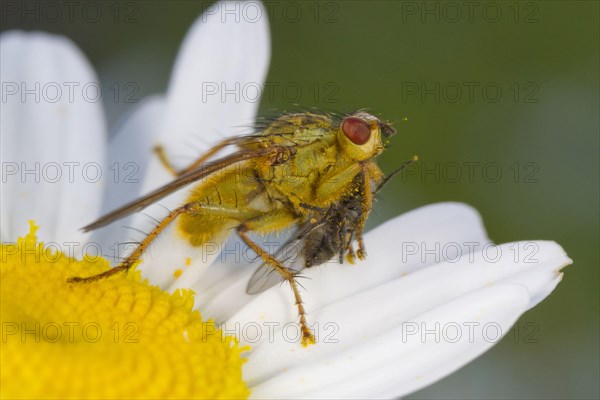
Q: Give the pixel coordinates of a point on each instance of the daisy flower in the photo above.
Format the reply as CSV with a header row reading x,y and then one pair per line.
x,y
433,294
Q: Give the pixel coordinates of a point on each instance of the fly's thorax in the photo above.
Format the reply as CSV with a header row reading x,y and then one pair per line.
x,y
305,126
295,180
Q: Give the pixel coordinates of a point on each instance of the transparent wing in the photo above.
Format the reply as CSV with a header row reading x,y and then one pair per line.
x,y
289,254
190,177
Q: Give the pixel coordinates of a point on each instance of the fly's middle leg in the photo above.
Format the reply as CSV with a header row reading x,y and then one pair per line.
x,y
289,276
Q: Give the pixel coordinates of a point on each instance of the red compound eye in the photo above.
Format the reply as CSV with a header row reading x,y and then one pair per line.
x,y
357,130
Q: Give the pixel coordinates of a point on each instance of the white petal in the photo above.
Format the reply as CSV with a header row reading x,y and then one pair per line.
x,y
130,151
129,154
224,51
370,323
399,362
53,124
216,51
449,226
219,51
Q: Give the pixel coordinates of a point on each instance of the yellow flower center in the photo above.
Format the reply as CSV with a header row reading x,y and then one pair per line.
x,y
115,338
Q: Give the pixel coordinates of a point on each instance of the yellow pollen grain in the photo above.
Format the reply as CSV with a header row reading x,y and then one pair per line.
x,y
188,261
115,338
177,273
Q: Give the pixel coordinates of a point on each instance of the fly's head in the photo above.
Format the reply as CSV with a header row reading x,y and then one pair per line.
x,y
361,135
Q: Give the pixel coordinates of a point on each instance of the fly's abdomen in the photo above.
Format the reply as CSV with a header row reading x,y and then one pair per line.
x,y
221,203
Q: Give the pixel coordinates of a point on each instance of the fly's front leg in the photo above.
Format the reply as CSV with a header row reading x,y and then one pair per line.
x,y
346,248
366,206
350,253
342,183
267,223
372,175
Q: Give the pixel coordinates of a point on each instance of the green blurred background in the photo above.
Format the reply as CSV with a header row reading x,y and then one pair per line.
x,y
541,134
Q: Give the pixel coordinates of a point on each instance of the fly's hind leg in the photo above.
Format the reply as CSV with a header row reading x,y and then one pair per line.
x,y
142,246
260,224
